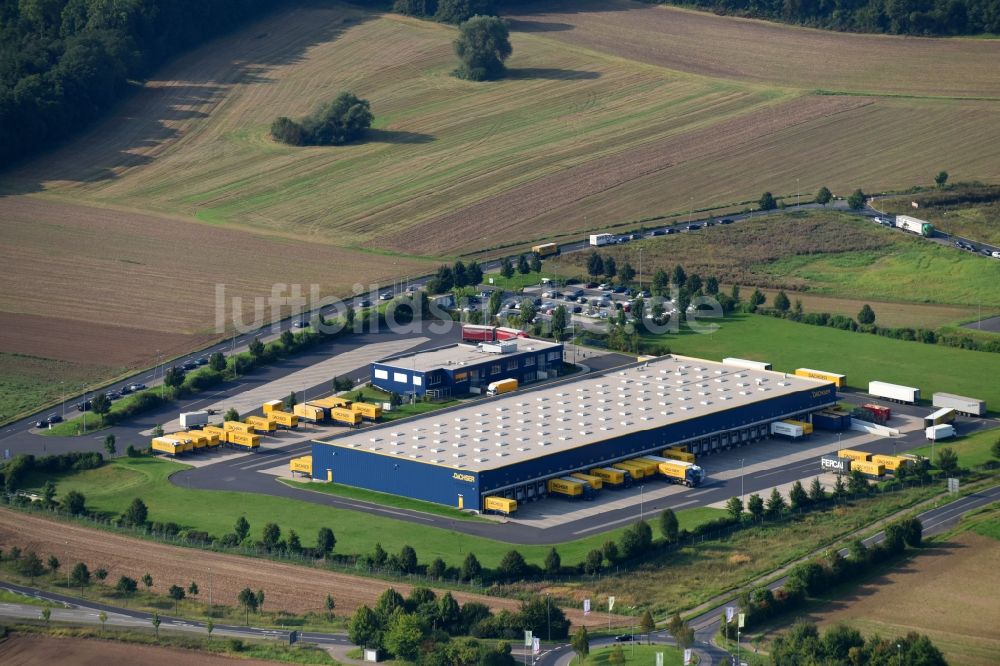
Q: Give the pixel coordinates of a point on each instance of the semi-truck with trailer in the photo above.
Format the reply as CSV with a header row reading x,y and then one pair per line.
x,y
507,333
612,478
545,250
785,429
961,404
915,225
939,432
943,415
597,240
502,505
478,333
501,387
840,381
745,363
894,392
678,471
879,413
194,419
835,464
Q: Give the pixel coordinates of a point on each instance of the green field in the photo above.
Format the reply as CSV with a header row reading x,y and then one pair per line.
x,y
789,345
634,654
110,489
27,382
972,450
384,499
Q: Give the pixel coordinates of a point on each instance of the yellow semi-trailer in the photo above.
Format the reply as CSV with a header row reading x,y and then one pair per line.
x,y
860,456
595,482
243,440
302,465
612,478
236,426
331,402
891,463
840,381
635,471
868,468
211,438
274,406
169,445
677,454
566,488
807,428
284,419
545,250
345,416
197,442
367,410
309,413
503,505
261,423
217,431
649,464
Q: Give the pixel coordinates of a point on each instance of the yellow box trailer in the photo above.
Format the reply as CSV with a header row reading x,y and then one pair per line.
x,y
635,471
261,423
303,465
854,455
274,406
594,482
331,402
503,505
243,440
868,468
215,430
612,478
345,416
565,487
840,381
211,438
195,439
649,466
236,426
891,463
284,419
367,410
677,454
807,428
169,445
309,413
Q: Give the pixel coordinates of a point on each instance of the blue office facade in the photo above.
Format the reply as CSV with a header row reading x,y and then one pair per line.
x,y
526,366
525,480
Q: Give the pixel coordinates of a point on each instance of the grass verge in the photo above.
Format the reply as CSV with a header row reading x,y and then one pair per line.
x,y
383,499
635,654
972,450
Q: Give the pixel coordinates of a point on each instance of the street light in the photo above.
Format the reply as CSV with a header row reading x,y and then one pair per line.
x,y
741,480
640,501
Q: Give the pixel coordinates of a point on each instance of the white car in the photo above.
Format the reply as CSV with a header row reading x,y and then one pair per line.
x,y
995,255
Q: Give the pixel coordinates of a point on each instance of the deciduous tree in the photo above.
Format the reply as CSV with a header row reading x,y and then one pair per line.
x,y
482,47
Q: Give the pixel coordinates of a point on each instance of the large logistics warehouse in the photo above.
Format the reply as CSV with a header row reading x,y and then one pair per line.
x,y
512,444
460,369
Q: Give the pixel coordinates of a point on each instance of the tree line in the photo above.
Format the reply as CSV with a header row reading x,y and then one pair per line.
x,y
898,17
63,63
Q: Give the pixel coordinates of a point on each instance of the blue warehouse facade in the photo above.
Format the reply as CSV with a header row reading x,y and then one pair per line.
x,y
461,369
407,472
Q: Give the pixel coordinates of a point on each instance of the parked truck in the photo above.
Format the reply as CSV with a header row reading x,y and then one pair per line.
x,y
894,392
914,225
634,471
477,333
961,404
830,419
840,381
502,505
807,428
570,488
786,429
501,387
943,415
594,482
678,471
193,419
172,446
879,413
868,468
939,432
612,478
597,240
649,464
854,454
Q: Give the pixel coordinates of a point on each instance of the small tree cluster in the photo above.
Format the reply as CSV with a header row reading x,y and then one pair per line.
x,y
341,121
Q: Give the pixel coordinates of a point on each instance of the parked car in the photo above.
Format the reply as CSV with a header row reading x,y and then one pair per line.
x,y
995,254
125,390
619,290
576,309
54,418
604,286
710,223
635,236
299,324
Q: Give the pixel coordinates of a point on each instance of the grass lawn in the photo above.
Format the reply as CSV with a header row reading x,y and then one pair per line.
x,y
372,394
789,345
110,489
634,654
28,382
384,499
8,597
972,450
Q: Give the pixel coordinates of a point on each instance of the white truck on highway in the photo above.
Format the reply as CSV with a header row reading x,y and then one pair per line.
x,y
597,240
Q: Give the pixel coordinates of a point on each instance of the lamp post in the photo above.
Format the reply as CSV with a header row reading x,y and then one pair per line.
x,y
641,488
741,480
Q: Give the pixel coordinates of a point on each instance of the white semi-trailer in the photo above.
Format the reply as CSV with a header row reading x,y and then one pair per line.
x,y
961,404
914,225
745,363
894,392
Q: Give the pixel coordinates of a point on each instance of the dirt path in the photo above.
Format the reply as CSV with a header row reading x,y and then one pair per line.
x,y
288,587
47,650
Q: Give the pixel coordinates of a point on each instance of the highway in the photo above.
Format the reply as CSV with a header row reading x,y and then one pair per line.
x,y
706,623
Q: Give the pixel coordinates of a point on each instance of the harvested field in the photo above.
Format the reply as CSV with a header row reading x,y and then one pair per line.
x,y
46,650
938,592
292,588
28,381
758,51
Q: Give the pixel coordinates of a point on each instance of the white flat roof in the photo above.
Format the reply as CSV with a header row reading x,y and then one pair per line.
x,y
527,424
460,354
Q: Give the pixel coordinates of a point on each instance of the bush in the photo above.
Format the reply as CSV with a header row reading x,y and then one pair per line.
x,y
482,47
459,11
335,123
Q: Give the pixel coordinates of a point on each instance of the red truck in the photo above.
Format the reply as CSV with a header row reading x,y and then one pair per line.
x,y
475,333
880,413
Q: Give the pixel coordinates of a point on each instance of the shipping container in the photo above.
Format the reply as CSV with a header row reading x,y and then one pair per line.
x,y
274,406
612,478
785,429
677,454
882,414
840,381
853,455
891,463
894,392
943,415
545,250
309,412
961,404
236,426
302,465
835,464
193,419
501,387
477,333
744,363
914,225
829,420
345,416
594,482
807,428
367,410
501,505
243,440
570,488
597,240
261,423
284,419
868,468
939,432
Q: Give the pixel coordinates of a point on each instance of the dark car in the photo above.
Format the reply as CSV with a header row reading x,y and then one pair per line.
x,y
54,418
577,309
620,290
112,395
693,227
591,285
201,361
189,365
300,324
84,406
125,390
364,303
710,223
635,236
657,232
726,221
624,638
669,231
